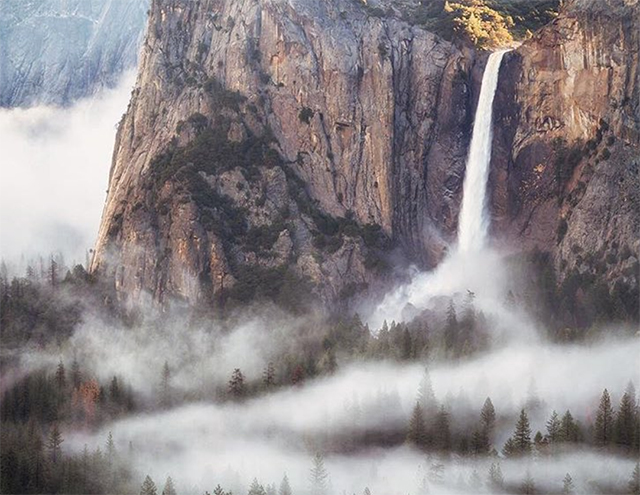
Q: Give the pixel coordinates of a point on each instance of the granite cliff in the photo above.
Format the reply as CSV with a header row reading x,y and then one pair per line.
x,y
56,51
567,150
333,132
279,143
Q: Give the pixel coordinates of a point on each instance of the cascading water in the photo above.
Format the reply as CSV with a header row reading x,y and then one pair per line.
x,y
470,267
473,222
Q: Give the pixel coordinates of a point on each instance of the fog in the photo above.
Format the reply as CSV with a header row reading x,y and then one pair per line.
x,y
204,443
54,172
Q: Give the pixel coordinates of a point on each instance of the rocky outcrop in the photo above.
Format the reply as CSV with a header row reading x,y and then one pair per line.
x,y
338,127
567,145
53,52
301,139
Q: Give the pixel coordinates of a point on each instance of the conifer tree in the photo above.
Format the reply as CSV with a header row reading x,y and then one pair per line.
x,y
236,384
114,390
522,435
285,487
256,488
568,428
169,488
436,472
219,491
488,416
475,482
626,421
495,478
634,482
110,449
426,395
54,443
567,485
319,477
441,432
61,378
76,374
366,491
554,428
148,487
269,375
603,432
528,486
451,329
165,385
509,449
417,434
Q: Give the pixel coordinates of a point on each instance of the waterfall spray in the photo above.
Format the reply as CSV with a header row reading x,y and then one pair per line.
x,y
474,222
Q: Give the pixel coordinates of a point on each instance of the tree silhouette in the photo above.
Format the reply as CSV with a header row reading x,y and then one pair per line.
x,y
148,487
54,442
603,432
319,477
285,487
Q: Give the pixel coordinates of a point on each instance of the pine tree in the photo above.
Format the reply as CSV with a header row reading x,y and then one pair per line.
x,y
236,384
285,487
297,375
114,390
319,477
495,478
568,428
110,449
441,432
510,449
451,329
165,385
625,427
169,488
417,434
604,420
475,482
269,376
528,486
148,487
522,435
219,491
256,488
567,485
488,416
427,397
54,443
482,438
76,374
634,482
554,428
61,376
436,472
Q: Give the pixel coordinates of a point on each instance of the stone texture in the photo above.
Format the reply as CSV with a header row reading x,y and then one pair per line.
x,y
574,86
390,113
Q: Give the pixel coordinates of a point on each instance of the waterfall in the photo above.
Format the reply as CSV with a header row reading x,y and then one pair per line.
x,y
473,222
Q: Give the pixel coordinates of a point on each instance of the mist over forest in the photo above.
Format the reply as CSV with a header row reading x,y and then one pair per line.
x,y
340,254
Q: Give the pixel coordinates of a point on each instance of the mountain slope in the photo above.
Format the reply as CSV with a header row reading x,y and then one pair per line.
x,y
54,51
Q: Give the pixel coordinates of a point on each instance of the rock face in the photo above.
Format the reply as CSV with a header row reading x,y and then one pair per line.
x,y
356,120
54,51
567,145
298,140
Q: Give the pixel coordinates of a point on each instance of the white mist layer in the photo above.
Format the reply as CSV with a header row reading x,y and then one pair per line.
x,y
473,222
53,174
204,443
